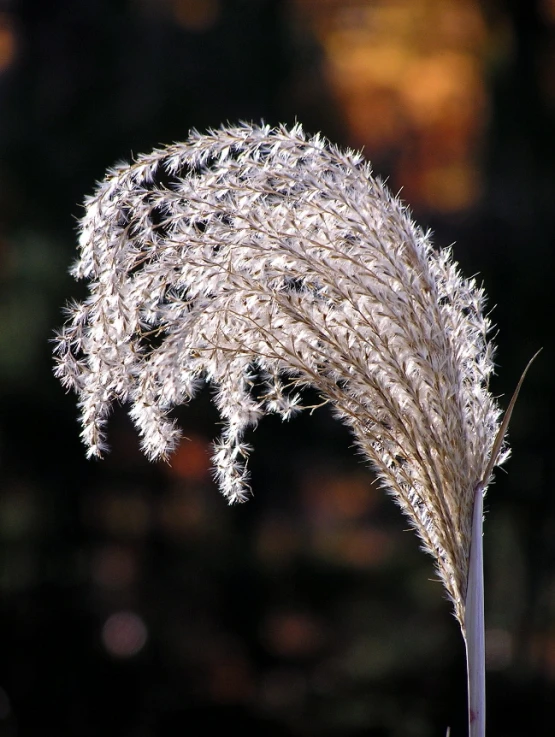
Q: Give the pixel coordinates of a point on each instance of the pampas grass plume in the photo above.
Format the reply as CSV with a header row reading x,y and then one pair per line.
x,y
263,261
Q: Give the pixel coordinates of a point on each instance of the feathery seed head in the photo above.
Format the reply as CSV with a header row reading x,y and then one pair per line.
x,y
252,251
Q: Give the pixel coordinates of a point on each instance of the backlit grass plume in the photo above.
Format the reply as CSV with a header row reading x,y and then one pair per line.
x,y
262,261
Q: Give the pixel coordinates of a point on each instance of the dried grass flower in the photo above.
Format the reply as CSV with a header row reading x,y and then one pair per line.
x,y
263,261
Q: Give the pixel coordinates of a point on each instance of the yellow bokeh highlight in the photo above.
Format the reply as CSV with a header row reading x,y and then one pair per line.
x,y
408,77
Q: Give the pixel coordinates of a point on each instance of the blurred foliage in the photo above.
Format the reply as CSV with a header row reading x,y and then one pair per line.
x,y
134,602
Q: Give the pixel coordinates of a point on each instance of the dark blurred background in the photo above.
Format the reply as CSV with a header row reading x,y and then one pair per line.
x,y
134,602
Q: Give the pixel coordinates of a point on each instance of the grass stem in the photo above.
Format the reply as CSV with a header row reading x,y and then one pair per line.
x,y
474,625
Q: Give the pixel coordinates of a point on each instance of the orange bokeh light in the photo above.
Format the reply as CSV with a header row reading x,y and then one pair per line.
x,y
409,80
191,459
7,41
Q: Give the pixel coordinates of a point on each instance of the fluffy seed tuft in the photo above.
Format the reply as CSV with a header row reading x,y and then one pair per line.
x,y
263,261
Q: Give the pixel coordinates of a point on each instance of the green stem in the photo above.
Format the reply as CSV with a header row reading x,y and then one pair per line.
x,y
474,625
